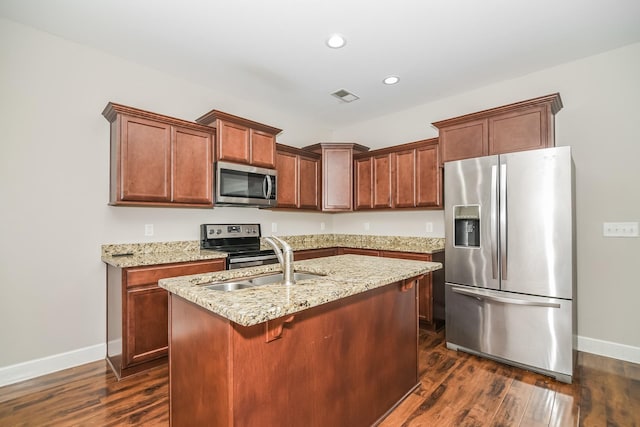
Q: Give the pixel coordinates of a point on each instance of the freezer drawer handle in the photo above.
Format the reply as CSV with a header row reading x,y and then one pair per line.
x,y
481,296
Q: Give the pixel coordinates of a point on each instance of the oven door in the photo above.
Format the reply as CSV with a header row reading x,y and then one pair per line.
x,y
243,185
242,261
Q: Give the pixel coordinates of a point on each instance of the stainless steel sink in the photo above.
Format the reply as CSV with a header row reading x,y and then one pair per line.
x,y
229,286
279,277
251,282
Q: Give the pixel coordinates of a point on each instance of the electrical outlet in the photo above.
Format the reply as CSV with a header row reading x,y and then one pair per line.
x,y
322,226
620,229
274,227
367,226
428,227
148,229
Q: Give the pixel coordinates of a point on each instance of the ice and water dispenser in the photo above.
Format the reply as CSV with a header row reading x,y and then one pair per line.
x,y
466,221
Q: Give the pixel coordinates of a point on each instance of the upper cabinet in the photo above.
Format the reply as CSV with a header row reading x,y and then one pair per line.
x,y
298,183
241,140
337,174
521,126
158,160
403,176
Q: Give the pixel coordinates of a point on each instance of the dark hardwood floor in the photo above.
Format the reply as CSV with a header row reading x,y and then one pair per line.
x,y
456,390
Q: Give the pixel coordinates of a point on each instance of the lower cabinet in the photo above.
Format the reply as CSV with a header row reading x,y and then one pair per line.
x,y
430,288
137,313
314,253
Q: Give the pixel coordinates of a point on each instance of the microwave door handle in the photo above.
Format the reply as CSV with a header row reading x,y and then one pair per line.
x,y
267,187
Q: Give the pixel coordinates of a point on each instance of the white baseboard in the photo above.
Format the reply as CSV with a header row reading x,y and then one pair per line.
x,y
46,365
609,349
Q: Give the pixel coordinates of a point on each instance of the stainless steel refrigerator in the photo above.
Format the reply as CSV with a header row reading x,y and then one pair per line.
x,y
509,259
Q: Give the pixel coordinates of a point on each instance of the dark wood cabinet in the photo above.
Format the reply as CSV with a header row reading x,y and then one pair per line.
x,y
298,184
401,176
337,174
240,140
428,175
520,126
404,165
343,363
137,313
363,183
382,181
158,160
430,289
358,251
314,253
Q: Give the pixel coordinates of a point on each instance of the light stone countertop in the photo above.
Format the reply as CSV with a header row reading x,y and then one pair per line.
x,y
155,253
139,254
345,275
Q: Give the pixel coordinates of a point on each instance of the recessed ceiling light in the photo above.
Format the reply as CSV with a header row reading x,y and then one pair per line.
x,y
391,80
336,41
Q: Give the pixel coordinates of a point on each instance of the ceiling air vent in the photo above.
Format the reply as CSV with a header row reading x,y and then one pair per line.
x,y
345,95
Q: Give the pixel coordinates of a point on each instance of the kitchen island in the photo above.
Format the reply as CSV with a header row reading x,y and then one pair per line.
x,y
335,350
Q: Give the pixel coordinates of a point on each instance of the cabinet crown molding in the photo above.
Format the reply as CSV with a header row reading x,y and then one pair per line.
x,y
213,115
319,146
553,100
112,110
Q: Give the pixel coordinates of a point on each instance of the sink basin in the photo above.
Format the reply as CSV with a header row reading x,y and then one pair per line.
x,y
230,286
251,282
279,277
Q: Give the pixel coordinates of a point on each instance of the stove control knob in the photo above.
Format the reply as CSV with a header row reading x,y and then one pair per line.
x,y
219,231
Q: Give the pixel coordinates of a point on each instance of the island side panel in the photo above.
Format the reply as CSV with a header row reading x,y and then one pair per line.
x,y
345,363
199,369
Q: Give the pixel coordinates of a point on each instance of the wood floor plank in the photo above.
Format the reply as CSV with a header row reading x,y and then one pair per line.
x,y
457,389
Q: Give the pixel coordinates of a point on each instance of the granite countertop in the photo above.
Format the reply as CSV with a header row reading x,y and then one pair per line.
x,y
139,254
345,275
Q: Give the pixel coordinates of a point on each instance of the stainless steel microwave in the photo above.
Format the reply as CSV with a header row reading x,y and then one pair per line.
x,y
244,185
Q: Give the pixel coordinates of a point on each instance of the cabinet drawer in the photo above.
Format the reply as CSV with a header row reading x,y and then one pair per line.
x,y
144,275
406,255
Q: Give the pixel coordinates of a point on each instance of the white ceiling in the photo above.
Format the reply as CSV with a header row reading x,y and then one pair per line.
x,y
274,52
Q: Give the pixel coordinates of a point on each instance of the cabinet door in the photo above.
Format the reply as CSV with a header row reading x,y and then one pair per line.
x,y
404,165
428,177
364,183
145,160
192,176
233,142
287,182
263,149
425,285
147,324
337,173
309,183
382,181
524,129
464,141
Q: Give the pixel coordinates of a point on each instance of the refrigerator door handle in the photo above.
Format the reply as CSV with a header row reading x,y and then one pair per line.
x,y
503,220
516,301
494,219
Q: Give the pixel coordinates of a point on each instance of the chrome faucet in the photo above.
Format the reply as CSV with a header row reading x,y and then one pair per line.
x,y
285,256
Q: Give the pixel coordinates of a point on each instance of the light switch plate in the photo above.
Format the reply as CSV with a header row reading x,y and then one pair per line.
x,y
620,229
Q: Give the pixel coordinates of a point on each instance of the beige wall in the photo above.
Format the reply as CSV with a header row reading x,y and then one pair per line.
x,y
600,122
54,183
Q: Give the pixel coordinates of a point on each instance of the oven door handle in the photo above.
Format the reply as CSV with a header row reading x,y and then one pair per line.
x,y
251,258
